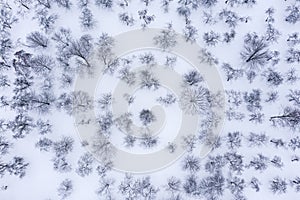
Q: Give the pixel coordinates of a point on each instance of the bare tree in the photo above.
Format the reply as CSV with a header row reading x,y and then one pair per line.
x,y
290,118
273,77
278,142
235,162
171,147
255,183
229,36
167,38
233,3
208,18
123,3
190,33
234,140
278,185
43,101
108,4
105,101
293,14
63,38
194,101
6,46
18,167
147,59
64,3
146,117
277,162
294,143
272,97
255,52
105,122
148,141
190,185
170,61
214,164
230,18
102,148
61,165
76,102
105,46
37,39
256,117
234,97
46,20
257,140
191,163
189,142
236,186
44,3
211,38
173,185
146,17
127,76
208,3
291,76
192,78
65,188
253,100
106,187
293,55
148,80
85,165
295,183
272,34
5,145
207,57
22,63
293,39
165,4
86,19
231,73
104,168
186,7
21,101
212,187
21,126
294,97
124,122
42,64
129,141
6,17
126,19
4,81
63,147
82,49
3,168
135,189
83,3
168,100
44,144
259,163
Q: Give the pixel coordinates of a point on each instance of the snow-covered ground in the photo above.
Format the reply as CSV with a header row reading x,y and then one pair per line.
x,y
48,45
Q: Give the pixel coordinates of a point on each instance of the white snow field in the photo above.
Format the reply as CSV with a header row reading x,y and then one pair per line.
x,y
149,99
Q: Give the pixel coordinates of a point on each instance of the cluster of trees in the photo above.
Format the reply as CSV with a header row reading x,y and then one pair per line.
x,y
195,186
253,102
86,17
132,188
28,75
16,167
